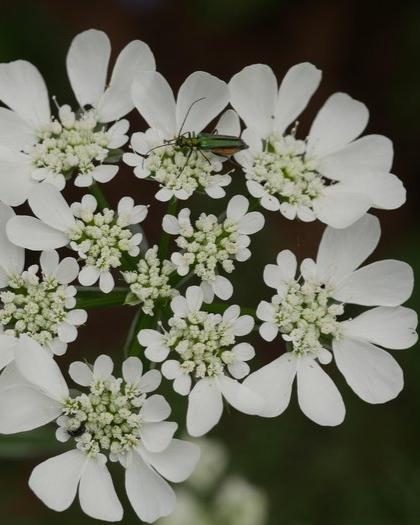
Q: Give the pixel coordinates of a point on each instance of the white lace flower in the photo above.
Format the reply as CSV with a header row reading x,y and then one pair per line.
x,y
99,238
115,418
210,245
38,147
308,311
40,306
179,171
150,282
331,175
204,349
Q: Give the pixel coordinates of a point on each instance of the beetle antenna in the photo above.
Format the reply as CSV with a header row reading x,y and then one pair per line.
x,y
187,113
156,147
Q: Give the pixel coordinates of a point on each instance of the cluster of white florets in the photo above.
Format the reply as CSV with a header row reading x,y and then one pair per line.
x,y
34,306
101,238
181,171
71,143
206,245
150,282
203,343
305,314
105,419
286,172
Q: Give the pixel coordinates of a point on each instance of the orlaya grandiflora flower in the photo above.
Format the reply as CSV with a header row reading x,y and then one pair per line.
x,y
209,245
331,175
41,307
37,147
179,172
100,238
115,418
307,311
205,356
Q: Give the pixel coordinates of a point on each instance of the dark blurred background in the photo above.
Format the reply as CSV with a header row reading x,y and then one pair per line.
x,y
367,471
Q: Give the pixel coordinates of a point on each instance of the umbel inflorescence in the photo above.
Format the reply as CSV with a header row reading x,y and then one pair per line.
x,y
93,254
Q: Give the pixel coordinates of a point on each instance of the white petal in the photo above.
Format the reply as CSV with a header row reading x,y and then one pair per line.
x,y
81,373
15,133
157,353
170,225
12,258
103,367
182,384
276,275
240,396
49,206
154,100
150,496
339,208
194,297
205,407
155,409
106,281
55,481
253,94
150,381
156,437
88,275
382,283
372,373
148,337
237,208
49,262
393,328
67,270
319,398
238,369
251,223
342,251
215,191
228,124
7,350
97,495
223,288
177,461
268,331
104,172
273,382
116,101
16,182
243,325
132,369
39,368
171,369
244,351
296,89
87,65
214,95
340,120
23,89
77,317
67,332
33,234
265,311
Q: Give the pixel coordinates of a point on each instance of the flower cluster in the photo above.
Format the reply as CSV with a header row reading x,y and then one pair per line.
x,y
180,329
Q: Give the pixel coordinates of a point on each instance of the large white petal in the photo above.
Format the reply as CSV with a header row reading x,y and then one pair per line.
x,y
253,94
55,481
16,182
67,270
87,65
7,350
176,462
364,155
12,257
155,101
194,297
205,407
33,234
319,398
273,382
388,327
276,275
340,208
150,495
15,133
40,369
156,436
251,223
97,495
341,251
371,372
240,396
23,89
229,124
50,206
340,120
155,409
296,89
116,101
382,283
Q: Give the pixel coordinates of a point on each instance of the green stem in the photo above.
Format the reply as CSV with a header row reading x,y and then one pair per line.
x,y
140,321
219,308
99,195
164,240
92,298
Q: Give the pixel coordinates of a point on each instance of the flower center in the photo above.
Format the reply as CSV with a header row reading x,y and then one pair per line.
x,y
202,341
181,170
307,317
100,239
150,282
35,307
71,144
105,419
285,171
208,244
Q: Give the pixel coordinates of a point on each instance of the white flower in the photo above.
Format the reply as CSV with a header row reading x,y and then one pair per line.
x,y
179,171
211,245
37,147
41,307
116,417
204,347
307,312
150,282
331,174
99,238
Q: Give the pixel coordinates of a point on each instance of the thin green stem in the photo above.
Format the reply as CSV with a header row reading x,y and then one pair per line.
x,y
140,321
90,299
164,240
99,195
